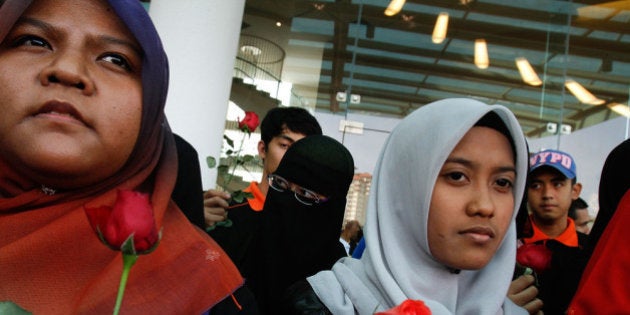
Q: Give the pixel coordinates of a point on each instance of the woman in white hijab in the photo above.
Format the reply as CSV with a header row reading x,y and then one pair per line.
x,y
440,221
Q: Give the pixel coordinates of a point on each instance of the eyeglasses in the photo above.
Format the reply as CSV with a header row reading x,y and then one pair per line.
x,y
303,195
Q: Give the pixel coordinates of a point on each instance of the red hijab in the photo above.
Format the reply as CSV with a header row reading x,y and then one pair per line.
x,y
51,261
605,283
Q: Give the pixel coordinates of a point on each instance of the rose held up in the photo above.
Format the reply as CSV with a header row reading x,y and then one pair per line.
x,y
249,122
131,216
535,256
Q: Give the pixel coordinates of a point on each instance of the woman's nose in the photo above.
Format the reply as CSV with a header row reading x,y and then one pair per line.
x,y
481,204
68,69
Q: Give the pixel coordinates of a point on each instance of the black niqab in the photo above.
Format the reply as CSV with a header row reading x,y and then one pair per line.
x,y
298,240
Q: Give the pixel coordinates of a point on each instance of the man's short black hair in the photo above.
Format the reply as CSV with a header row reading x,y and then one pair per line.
x,y
577,204
296,119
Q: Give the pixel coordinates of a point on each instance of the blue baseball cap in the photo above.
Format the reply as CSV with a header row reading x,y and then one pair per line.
x,y
561,161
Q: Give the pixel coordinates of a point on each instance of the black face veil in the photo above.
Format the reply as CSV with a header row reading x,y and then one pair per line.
x,y
298,240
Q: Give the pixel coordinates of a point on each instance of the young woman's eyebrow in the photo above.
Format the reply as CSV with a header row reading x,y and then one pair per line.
x,y
471,164
507,169
459,160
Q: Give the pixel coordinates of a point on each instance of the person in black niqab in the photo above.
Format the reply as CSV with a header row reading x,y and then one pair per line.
x,y
298,240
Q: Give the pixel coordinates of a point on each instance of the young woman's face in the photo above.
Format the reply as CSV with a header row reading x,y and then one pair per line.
x,y
70,93
472,202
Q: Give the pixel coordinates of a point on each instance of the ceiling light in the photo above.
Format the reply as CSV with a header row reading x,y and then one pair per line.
x,y
528,74
250,50
582,94
394,7
621,109
441,25
481,54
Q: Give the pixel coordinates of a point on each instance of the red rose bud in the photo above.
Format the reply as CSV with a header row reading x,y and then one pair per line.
x,y
535,256
131,216
408,307
249,123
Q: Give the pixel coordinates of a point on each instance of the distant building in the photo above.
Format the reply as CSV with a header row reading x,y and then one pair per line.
x,y
357,198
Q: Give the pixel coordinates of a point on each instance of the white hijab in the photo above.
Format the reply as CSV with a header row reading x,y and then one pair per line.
x,y
397,264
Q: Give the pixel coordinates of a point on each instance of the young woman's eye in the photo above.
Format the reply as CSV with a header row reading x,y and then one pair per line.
x,y
31,40
117,60
504,183
455,176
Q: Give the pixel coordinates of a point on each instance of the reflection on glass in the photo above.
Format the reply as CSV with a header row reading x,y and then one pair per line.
x,y
481,54
441,26
394,7
582,94
528,74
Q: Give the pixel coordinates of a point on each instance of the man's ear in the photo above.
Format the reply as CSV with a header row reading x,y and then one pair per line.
x,y
576,190
261,149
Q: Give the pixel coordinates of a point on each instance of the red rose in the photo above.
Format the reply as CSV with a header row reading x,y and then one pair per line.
x,y
535,256
408,307
249,123
131,216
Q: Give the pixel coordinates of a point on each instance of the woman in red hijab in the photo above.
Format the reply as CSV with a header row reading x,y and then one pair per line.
x,y
605,283
82,91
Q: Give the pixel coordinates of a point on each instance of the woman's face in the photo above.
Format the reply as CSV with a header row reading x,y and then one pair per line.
x,y
70,93
473,201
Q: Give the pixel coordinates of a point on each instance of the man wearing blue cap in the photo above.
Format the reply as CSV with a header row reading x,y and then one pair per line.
x,y
552,187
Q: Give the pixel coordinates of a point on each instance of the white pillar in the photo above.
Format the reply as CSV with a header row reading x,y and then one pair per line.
x,y
200,38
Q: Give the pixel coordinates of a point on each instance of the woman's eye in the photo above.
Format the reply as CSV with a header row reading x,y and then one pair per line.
x,y
281,184
505,183
31,40
455,176
117,60
308,194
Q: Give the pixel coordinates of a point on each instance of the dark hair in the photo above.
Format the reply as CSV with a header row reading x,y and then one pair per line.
x,y
296,119
577,204
492,120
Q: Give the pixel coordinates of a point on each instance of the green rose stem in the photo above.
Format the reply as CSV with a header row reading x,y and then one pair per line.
x,y
240,149
128,262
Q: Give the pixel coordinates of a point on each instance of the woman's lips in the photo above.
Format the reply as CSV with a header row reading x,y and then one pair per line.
x,y
479,234
60,111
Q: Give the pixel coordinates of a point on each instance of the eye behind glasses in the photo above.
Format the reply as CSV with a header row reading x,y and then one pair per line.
x,y
303,195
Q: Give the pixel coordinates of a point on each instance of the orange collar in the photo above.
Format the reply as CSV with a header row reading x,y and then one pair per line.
x,y
258,201
568,237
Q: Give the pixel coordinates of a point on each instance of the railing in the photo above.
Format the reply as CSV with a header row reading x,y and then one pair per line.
x,y
259,60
